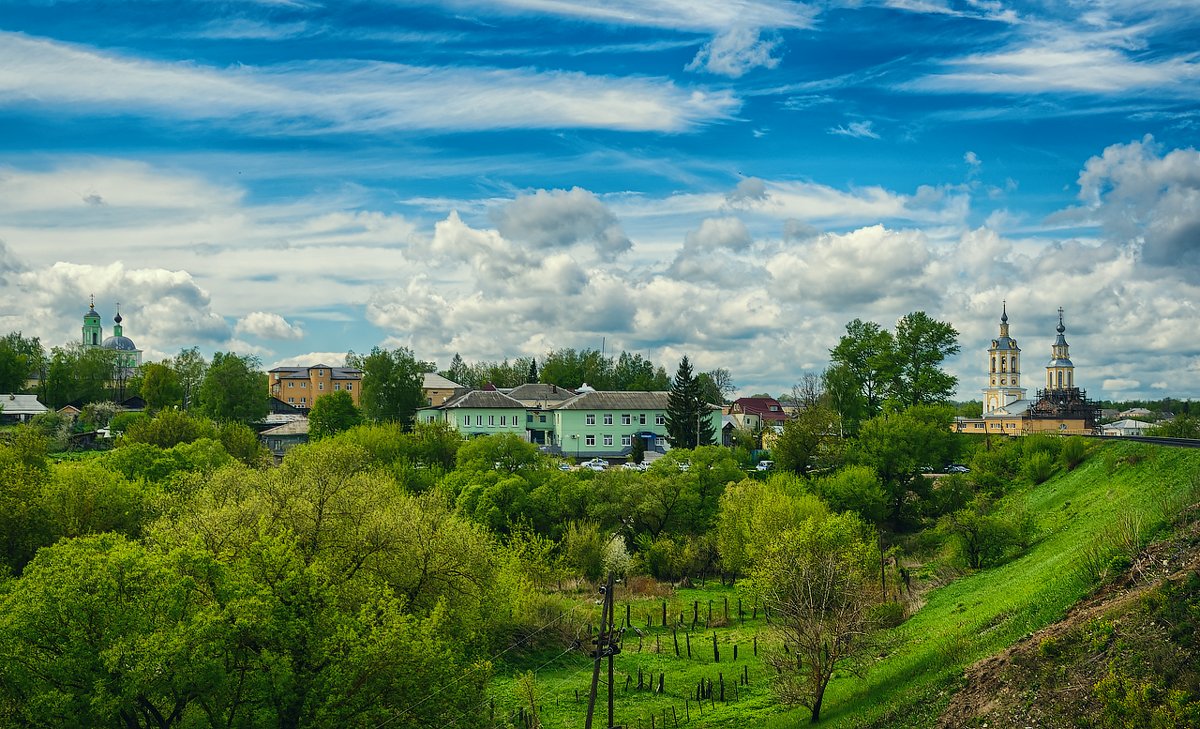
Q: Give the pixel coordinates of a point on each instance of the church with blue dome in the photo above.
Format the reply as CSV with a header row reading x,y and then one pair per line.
x,y
128,356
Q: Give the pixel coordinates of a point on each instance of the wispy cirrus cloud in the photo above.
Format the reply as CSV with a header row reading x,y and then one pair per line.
x,y
858,130
1063,61
345,96
692,15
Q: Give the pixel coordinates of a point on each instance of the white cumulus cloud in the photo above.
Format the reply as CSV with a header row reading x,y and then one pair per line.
x,y
267,325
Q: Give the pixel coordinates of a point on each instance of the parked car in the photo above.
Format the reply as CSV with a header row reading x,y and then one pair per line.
x,y
765,466
595,464
631,466
957,468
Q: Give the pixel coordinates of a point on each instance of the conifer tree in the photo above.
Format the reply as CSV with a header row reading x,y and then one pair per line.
x,y
688,423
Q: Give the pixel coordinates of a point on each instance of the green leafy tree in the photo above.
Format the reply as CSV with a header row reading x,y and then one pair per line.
x,y
819,582
332,414
708,388
983,536
570,368
160,386
1183,426
391,387
20,359
864,367
897,444
633,372
234,389
857,489
168,428
96,633
190,367
920,347
457,371
242,442
809,441
754,514
688,416
24,469
78,374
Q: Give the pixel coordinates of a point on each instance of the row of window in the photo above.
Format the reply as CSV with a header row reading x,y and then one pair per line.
x,y
321,385
466,420
626,419
590,440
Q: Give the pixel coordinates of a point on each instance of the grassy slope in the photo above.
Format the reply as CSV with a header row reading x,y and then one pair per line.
x,y
971,618
989,610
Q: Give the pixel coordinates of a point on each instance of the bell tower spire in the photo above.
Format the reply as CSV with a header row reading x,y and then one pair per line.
x,y
93,332
1060,372
1004,374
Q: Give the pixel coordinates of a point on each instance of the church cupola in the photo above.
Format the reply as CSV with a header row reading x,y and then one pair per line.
x,y
1004,372
1060,373
93,332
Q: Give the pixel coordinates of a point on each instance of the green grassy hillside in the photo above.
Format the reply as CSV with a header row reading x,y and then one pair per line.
x,y
1113,501
1080,514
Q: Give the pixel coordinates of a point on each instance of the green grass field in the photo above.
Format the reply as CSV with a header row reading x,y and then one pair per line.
x,y
975,616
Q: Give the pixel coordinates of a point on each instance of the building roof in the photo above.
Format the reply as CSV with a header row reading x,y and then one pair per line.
x,y
123,344
337,373
538,394
615,400
767,408
434,381
292,427
1014,409
483,399
21,405
1129,425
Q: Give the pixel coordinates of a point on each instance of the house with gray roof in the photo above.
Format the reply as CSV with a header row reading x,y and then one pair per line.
x,y
538,399
19,408
603,424
479,412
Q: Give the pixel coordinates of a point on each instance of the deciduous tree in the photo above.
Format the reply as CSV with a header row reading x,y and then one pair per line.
x,y
921,345
391,386
331,414
819,582
20,358
234,389
160,386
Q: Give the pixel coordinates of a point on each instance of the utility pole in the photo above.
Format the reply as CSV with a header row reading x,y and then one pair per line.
x,y
608,645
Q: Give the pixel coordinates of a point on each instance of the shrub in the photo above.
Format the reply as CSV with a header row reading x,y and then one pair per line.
x,y
984,538
169,428
1039,466
583,547
855,488
1073,452
122,421
888,614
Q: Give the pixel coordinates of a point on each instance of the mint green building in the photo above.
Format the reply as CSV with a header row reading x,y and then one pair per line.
x,y
604,424
583,425
479,412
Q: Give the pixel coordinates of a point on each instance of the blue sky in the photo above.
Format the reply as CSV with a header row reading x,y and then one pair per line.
x,y
733,180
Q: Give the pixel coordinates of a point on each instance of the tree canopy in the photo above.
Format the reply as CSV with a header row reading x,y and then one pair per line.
x,y
234,389
332,413
392,384
20,358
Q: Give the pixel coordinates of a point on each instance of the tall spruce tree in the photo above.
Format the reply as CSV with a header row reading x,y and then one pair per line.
x,y
688,419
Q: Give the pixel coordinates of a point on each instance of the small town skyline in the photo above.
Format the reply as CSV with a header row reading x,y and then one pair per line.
x,y
731,181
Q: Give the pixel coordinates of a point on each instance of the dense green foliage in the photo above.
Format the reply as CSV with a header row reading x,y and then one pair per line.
x,y
331,414
391,384
20,359
870,366
233,389
194,584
